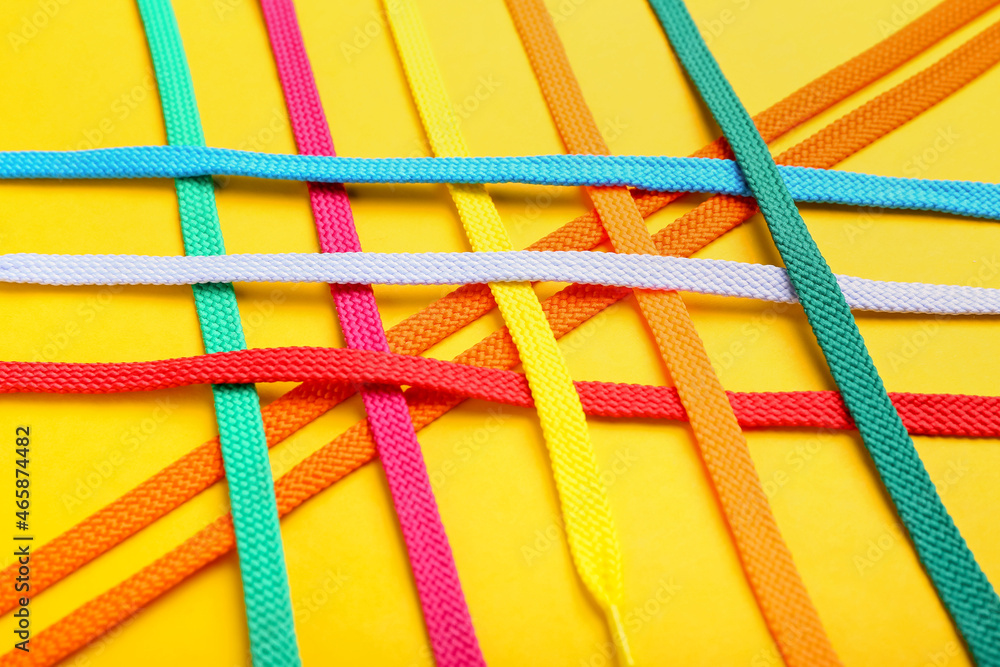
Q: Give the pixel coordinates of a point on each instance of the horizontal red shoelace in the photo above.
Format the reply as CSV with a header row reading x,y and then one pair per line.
x,y
923,414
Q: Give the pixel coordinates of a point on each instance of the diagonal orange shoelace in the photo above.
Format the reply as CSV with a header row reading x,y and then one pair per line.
x,y
781,594
565,311
202,467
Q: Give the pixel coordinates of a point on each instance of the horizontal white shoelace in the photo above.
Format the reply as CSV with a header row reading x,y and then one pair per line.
x,y
705,276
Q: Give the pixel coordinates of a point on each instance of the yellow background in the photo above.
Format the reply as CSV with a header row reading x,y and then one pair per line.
x,y
85,77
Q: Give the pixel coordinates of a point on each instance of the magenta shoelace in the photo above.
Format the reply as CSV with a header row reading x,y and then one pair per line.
x,y
446,614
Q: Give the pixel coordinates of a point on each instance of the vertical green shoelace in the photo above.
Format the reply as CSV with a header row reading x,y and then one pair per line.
x,y
961,584
237,407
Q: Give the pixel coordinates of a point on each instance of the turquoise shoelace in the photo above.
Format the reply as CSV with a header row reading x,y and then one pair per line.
x,y
237,407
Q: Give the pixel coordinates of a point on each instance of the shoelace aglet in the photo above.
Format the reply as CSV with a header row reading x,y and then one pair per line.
x,y
619,637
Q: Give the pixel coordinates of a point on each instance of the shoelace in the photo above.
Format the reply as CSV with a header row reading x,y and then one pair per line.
x,y
566,310
583,499
651,272
355,448
446,614
767,561
237,407
647,172
923,414
961,584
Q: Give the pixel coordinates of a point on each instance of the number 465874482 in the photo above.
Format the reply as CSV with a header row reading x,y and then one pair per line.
x,y
22,442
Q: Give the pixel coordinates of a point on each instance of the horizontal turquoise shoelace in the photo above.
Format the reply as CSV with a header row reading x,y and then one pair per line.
x,y
674,174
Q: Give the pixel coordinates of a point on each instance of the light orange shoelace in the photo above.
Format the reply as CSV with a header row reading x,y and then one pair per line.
x,y
566,310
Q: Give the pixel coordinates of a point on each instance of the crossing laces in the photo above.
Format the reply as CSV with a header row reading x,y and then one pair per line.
x,y
237,408
781,594
961,584
590,529
446,614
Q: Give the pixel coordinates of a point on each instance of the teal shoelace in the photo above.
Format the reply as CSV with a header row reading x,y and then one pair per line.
x,y
961,584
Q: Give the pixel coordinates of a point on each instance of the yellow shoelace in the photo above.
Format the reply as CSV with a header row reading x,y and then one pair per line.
x,y
590,529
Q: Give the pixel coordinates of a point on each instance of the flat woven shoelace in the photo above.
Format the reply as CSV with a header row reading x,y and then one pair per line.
x,y
651,272
924,414
586,511
767,561
961,584
660,173
574,305
446,615
237,408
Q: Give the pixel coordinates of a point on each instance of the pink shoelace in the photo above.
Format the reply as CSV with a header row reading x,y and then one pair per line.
x,y
446,614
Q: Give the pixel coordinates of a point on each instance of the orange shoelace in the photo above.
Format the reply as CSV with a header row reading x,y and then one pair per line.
x,y
781,594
